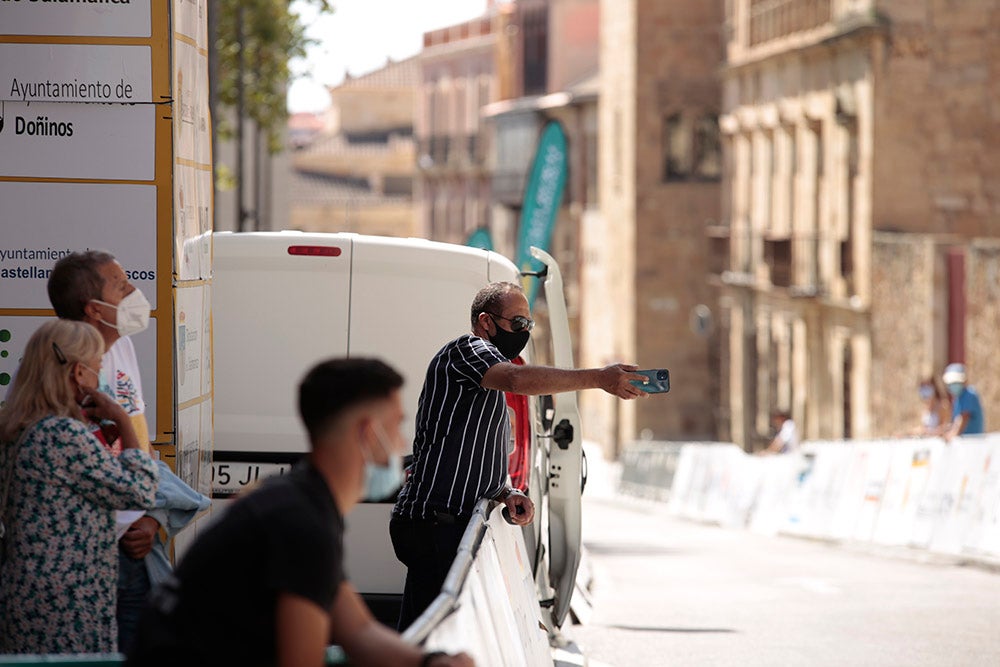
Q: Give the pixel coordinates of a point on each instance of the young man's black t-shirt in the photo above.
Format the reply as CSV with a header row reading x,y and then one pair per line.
x,y
285,537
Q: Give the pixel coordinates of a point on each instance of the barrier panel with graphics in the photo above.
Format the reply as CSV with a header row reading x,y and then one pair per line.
x,y
488,606
921,493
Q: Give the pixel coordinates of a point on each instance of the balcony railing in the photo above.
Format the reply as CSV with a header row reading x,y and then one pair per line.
x,y
771,19
455,151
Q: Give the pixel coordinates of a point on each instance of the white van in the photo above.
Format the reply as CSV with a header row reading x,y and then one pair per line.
x,y
283,301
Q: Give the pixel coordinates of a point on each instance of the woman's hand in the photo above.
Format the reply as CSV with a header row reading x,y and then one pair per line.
x,y
97,405
102,406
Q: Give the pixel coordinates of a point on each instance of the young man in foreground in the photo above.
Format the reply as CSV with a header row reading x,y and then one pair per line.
x,y
265,585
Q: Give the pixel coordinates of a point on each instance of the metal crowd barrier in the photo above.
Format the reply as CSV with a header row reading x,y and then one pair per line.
x,y
648,468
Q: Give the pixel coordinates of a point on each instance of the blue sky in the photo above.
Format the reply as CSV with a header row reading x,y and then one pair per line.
x,y
360,35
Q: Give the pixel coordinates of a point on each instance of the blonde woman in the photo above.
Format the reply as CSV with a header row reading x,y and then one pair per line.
x,y
60,486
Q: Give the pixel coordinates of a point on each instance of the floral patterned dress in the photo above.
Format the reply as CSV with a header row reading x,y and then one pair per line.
x,y
57,586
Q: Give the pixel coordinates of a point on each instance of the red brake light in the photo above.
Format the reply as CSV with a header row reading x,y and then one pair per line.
x,y
314,250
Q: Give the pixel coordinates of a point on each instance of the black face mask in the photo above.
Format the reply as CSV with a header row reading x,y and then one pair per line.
x,y
510,343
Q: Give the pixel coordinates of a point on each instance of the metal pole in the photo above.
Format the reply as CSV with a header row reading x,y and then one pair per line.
x,y
240,103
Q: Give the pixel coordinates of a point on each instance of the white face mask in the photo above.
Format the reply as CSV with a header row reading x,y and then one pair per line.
x,y
382,480
132,314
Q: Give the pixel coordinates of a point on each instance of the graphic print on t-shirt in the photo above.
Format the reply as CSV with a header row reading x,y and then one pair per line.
x,y
123,392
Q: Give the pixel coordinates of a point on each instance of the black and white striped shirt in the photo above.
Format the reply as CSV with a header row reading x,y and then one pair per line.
x,y
462,434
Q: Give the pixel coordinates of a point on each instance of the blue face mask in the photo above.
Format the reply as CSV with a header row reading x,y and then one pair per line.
x,y
955,388
381,481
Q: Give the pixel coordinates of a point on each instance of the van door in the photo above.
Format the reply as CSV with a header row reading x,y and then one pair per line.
x,y
408,298
565,454
280,303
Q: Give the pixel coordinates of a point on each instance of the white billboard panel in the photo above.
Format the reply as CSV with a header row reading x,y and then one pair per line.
x,y
42,222
76,140
75,73
81,19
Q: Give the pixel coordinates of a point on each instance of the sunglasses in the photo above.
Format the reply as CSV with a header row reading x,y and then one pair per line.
x,y
517,323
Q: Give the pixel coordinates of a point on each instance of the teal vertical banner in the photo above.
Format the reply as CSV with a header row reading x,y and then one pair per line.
x,y
542,197
480,239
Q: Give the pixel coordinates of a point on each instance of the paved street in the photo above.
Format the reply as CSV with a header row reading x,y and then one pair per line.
x,y
672,592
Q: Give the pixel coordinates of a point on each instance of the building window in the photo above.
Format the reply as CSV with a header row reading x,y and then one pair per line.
x,y
617,164
590,194
691,150
708,149
536,49
676,149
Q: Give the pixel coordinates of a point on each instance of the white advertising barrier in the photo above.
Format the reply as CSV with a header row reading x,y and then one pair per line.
x,y
715,482
921,493
488,607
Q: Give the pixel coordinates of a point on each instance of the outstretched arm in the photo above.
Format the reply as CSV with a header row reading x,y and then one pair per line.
x,y
368,642
957,427
536,380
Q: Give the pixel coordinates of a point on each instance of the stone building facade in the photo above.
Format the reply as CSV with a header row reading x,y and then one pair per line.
x,y
457,79
645,298
861,173
549,68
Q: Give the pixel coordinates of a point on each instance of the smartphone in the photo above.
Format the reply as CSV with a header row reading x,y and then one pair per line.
x,y
658,381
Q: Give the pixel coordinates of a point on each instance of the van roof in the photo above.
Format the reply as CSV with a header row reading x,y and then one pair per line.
x,y
254,239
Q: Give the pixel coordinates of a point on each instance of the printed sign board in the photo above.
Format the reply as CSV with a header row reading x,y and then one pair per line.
x,y
74,140
192,131
125,18
45,221
191,21
75,73
188,334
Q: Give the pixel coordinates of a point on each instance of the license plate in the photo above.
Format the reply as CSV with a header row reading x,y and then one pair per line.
x,y
232,478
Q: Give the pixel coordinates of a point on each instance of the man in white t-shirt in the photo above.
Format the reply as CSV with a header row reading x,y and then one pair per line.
x,y
92,287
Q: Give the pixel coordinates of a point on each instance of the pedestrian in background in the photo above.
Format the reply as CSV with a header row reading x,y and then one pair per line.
x,y
786,438
59,489
935,412
967,410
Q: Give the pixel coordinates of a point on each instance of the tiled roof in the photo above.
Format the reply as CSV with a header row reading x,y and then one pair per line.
x,y
310,188
338,145
402,74
306,121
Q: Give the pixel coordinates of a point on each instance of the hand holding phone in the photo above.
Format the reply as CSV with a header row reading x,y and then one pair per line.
x,y
657,381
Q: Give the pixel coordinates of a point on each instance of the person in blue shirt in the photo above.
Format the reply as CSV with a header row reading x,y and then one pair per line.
x,y
967,411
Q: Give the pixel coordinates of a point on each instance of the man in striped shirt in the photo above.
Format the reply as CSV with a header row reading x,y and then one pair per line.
x,y
462,434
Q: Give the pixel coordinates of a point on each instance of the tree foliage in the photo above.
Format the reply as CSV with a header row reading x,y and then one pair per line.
x,y
272,35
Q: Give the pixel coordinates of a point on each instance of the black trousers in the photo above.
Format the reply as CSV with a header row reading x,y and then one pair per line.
x,y
427,548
